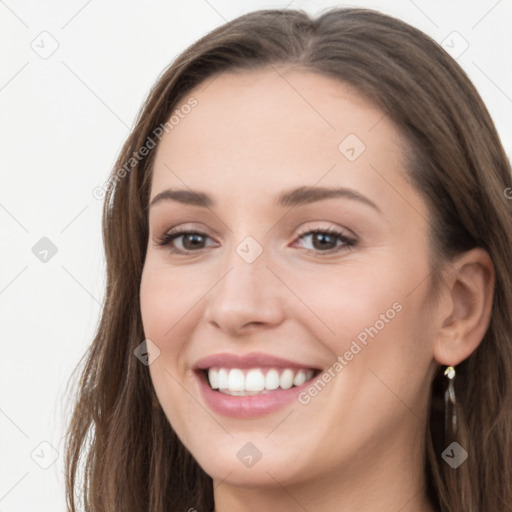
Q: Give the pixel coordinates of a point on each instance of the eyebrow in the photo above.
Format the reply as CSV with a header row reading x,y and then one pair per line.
x,y
289,198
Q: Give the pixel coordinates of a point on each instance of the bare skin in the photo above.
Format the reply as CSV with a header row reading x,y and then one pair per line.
x,y
358,444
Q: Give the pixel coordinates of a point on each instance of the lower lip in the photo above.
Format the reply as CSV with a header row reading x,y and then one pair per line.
x,y
247,406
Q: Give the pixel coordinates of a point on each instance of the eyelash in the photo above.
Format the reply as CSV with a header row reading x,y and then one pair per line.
x,y
348,243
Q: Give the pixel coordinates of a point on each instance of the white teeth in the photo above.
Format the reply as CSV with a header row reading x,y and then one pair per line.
x,y
213,377
300,378
272,380
223,378
255,381
286,379
236,380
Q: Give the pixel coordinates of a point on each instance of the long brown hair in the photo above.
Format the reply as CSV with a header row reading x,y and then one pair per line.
x,y
122,454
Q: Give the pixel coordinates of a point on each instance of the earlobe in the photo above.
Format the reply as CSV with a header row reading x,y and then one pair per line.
x,y
471,289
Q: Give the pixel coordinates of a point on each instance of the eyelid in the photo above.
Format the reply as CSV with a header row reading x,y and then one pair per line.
x,y
348,240
174,233
347,233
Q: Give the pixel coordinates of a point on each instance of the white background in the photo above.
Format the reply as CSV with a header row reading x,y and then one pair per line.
x,y
63,121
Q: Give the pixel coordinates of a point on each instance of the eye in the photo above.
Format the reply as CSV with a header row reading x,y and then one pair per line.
x,y
190,240
325,240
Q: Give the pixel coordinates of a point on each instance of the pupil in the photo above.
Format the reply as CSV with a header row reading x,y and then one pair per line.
x,y
323,239
195,241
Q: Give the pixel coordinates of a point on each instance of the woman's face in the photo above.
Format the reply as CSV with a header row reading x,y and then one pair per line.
x,y
256,298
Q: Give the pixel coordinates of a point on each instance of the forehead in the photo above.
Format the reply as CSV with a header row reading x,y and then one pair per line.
x,y
259,130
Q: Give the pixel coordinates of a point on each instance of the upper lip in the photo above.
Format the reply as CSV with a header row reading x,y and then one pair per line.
x,y
253,360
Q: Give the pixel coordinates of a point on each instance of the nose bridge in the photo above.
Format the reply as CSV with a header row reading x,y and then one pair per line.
x,y
248,291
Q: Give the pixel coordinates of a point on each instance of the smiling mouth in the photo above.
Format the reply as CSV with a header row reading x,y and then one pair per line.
x,y
256,381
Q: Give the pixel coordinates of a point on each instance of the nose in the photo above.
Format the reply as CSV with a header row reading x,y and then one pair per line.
x,y
248,297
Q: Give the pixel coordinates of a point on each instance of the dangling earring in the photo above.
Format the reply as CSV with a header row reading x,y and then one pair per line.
x,y
450,408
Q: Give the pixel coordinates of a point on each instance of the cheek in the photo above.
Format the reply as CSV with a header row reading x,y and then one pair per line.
x,y
166,301
372,311
341,303
167,297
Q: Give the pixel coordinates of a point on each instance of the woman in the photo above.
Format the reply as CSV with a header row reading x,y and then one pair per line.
x,y
308,296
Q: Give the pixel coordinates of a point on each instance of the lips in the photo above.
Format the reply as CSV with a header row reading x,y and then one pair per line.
x,y
254,360
250,385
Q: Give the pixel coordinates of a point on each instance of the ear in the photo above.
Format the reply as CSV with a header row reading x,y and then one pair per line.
x,y
466,315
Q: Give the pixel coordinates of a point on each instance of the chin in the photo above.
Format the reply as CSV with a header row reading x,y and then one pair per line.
x,y
237,463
